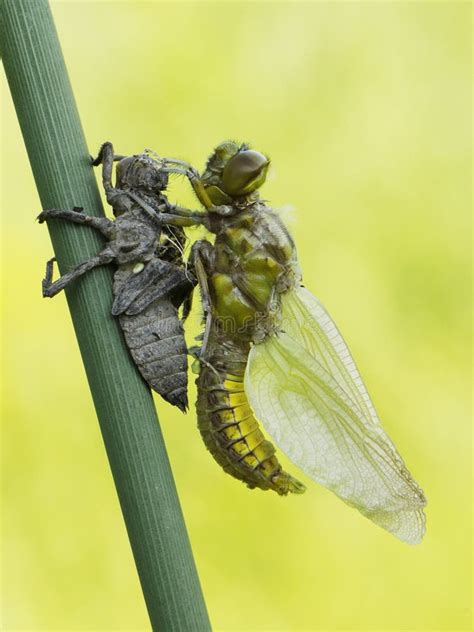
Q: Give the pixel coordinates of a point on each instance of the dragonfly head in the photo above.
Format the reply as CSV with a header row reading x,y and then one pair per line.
x,y
234,171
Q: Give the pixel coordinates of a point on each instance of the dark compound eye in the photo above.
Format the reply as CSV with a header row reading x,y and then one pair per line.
x,y
245,172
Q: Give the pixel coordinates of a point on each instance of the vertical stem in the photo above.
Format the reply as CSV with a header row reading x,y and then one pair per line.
x,y
59,159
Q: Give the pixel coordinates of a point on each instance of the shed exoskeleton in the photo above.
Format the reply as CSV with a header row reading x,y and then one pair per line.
x,y
151,280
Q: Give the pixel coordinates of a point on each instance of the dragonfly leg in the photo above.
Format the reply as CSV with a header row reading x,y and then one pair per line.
x,y
202,253
183,217
196,182
187,302
102,224
106,158
51,288
115,197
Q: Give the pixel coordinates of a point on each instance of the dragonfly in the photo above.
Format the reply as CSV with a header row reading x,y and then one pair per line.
x,y
273,357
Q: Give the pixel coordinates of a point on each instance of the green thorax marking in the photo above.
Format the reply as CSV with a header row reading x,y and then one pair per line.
x,y
253,250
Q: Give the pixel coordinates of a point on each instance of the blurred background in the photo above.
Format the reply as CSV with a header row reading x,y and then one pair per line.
x,y
364,109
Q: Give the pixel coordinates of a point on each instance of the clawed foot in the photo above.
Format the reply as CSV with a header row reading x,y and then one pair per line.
x,y
43,216
48,279
58,214
95,162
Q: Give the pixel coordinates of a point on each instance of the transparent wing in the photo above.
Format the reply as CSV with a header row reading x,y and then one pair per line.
x,y
305,319
325,433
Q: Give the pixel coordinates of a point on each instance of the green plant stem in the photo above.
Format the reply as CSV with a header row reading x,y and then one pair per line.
x,y
59,159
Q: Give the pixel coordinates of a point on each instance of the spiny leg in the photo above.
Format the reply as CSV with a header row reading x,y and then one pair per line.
x,y
199,189
201,192
168,161
51,288
106,157
117,198
201,253
196,182
188,299
102,224
185,218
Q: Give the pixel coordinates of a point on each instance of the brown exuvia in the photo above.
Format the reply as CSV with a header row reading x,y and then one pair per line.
x,y
151,280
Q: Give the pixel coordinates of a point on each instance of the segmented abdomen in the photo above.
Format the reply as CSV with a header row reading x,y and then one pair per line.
x,y
227,424
156,341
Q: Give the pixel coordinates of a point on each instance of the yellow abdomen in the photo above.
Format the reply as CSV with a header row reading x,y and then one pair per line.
x,y
228,426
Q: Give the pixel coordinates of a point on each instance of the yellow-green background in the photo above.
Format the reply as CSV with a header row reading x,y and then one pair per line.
x,y
364,109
